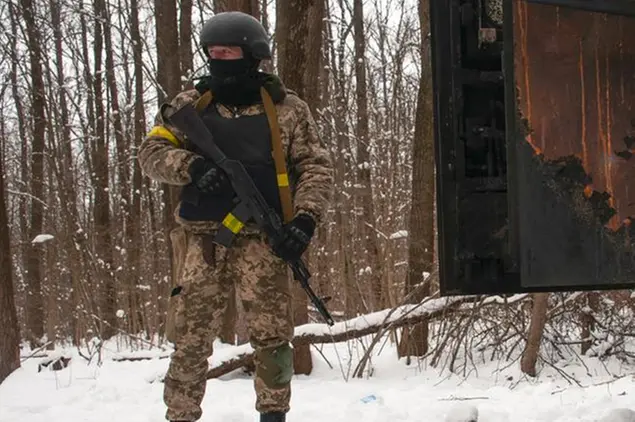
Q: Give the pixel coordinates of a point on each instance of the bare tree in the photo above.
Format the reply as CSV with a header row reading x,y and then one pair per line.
x,y
169,79
336,128
169,84
587,320
185,41
534,337
35,306
421,222
298,29
64,165
139,125
101,211
9,328
23,133
368,220
246,6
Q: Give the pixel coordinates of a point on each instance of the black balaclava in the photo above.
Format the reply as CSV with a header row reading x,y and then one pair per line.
x,y
236,82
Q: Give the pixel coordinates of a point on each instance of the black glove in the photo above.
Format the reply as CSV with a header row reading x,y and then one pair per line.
x,y
209,178
295,239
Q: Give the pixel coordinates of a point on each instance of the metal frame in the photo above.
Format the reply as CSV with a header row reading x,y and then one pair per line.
x,y
451,74
512,119
444,128
615,7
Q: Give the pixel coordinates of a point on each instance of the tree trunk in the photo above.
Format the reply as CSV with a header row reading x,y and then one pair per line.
x,y
89,272
246,6
22,133
129,283
185,42
139,126
534,337
67,189
421,221
587,320
101,210
168,69
34,303
368,220
169,78
299,28
9,329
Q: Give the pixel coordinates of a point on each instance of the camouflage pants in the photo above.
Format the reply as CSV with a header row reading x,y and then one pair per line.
x,y
204,275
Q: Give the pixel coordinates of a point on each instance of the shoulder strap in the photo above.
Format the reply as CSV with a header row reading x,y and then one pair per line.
x,y
203,101
278,156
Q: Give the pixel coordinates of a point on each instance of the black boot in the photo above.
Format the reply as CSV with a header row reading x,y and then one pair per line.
x,y
273,417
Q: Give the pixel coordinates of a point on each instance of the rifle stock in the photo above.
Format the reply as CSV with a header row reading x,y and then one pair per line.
x,y
251,205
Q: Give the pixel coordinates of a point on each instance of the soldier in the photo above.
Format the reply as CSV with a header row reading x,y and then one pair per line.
x,y
256,120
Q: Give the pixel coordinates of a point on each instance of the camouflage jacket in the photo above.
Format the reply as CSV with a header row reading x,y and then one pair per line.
x,y
163,157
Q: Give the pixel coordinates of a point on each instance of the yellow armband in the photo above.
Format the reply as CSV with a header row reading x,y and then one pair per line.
x,y
162,132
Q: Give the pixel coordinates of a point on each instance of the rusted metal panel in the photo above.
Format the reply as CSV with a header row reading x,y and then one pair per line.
x,y
574,74
549,209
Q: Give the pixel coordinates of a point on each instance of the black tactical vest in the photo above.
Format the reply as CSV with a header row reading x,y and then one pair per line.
x,y
246,139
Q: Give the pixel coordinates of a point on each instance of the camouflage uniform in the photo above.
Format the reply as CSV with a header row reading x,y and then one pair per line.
x,y
204,271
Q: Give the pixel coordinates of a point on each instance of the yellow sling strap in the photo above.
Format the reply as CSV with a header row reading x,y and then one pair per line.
x,y
278,156
203,101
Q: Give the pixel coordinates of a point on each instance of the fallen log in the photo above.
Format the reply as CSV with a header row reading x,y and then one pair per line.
x,y
240,356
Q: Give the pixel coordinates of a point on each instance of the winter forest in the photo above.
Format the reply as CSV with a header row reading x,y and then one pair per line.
x,y
85,258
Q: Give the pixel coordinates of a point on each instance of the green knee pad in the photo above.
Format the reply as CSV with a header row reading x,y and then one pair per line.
x,y
275,365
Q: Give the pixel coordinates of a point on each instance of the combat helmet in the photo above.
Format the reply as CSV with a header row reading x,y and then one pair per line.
x,y
236,28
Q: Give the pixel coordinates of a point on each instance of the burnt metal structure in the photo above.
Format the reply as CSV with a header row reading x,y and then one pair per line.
x,y
534,106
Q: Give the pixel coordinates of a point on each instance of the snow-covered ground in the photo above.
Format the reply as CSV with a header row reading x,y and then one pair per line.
x,y
496,392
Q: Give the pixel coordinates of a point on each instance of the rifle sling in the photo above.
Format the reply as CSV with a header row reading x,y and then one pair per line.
x,y
278,156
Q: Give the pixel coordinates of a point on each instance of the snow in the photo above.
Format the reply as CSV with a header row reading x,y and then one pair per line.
x,y
375,318
131,391
620,415
462,412
401,234
42,238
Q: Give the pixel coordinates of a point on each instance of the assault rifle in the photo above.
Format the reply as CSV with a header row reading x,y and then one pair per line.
x,y
251,205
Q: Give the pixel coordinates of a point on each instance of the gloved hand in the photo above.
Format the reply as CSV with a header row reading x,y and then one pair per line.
x,y
296,237
209,178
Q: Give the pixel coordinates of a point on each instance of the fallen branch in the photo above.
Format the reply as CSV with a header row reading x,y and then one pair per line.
x,y
453,398
34,353
346,330
132,336
137,358
236,362
32,356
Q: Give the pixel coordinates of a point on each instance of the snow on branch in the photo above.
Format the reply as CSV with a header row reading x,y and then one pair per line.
x,y
401,234
237,357
42,238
